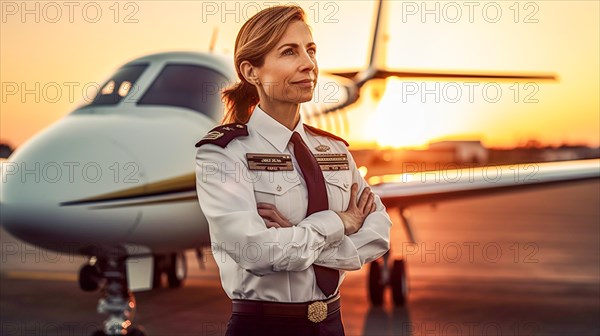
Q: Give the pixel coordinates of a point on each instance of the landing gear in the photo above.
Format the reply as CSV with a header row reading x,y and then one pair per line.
x,y
90,276
107,270
131,332
380,277
398,282
376,285
177,271
175,267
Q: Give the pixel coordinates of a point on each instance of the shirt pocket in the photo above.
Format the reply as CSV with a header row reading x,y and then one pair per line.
x,y
284,190
338,189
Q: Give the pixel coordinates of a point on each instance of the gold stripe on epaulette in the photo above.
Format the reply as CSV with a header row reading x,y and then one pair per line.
x,y
213,135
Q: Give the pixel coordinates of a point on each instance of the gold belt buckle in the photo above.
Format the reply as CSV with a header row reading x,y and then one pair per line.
x,y
317,311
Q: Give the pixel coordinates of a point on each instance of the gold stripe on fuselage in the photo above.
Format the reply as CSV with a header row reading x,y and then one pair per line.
x,y
181,183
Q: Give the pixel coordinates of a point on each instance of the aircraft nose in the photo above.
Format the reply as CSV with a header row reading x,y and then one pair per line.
x,y
60,167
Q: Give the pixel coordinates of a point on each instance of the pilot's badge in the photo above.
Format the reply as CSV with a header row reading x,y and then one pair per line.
x,y
332,161
322,148
212,135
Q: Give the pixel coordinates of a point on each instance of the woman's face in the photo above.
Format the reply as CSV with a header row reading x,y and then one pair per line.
x,y
289,73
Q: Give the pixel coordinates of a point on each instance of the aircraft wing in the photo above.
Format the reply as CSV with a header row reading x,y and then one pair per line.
x,y
411,188
464,75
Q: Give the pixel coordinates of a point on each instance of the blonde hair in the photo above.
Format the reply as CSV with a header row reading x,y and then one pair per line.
x,y
259,35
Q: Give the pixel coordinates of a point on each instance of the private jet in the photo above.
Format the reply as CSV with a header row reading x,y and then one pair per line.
x,y
114,180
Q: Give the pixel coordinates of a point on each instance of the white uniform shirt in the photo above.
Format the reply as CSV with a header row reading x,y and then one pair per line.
x,y
274,264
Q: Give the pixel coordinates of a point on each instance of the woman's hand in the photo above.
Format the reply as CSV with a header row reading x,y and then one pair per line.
x,y
354,217
272,216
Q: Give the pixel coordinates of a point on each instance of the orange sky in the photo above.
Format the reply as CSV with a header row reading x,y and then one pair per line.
x,y
548,36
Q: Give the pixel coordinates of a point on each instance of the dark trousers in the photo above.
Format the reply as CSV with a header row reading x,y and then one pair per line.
x,y
250,325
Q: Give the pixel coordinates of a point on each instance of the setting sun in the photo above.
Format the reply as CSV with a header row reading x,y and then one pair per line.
x,y
397,123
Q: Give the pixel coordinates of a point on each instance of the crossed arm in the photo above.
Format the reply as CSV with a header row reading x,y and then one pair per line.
x,y
352,218
342,240
366,228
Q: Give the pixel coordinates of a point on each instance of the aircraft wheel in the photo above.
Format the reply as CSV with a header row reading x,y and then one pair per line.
x,y
136,332
89,278
375,284
399,283
131,332
177,271
158,271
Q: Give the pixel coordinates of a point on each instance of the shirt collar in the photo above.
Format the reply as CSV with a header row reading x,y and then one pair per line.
x,y
274,132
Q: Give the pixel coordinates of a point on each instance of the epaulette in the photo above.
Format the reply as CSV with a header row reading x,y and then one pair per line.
x,y
324,133
223,134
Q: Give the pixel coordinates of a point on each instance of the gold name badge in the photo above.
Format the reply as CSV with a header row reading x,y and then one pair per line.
x,y
270,162
332,161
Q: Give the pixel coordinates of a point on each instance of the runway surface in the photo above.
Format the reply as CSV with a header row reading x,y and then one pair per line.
x,y
526,263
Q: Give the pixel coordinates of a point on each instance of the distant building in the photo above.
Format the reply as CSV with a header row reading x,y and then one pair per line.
x,y
462,151
568,152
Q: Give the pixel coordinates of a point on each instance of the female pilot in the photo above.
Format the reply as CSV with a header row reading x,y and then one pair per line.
x,y
282,198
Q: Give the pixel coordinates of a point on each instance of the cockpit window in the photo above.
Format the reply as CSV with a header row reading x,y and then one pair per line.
x,y
190,86
119,85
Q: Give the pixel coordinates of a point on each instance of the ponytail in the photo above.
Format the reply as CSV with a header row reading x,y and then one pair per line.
x,y
240,100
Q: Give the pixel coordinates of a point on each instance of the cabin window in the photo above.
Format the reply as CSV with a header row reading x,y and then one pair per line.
x,y
189,86
119,85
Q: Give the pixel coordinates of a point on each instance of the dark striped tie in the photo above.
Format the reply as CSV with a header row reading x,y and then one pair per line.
x,y
327,278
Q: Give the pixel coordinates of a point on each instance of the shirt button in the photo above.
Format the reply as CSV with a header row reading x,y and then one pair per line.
x,y
278,188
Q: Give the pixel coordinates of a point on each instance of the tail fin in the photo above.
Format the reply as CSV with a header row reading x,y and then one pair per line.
x,y
378,50
377,61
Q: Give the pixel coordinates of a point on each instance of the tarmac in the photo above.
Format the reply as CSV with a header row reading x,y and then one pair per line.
x,y
525,263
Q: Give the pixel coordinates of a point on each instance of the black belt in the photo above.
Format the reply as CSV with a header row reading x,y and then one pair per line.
x,y
315,311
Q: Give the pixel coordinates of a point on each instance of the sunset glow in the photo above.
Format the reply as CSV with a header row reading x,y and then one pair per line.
x,y
50,68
